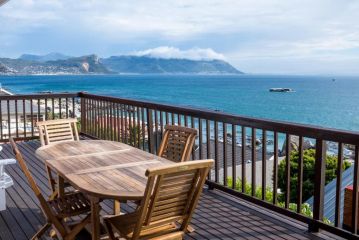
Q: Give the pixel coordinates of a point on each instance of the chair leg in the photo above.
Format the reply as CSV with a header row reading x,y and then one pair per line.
x,y
42,230
111,235
53,195
77,228
190,229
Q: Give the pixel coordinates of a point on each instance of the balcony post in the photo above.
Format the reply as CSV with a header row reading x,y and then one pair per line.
x,y
83,113
319,184
150,131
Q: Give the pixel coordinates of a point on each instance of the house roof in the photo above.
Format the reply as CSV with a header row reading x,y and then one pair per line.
x,y
330,195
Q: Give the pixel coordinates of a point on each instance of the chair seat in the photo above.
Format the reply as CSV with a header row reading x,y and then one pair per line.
x,y
125,224
70,205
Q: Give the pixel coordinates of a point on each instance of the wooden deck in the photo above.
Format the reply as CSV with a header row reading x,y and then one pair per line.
x,y
218,216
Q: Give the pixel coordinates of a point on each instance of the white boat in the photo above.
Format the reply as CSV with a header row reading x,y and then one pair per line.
x,y
281,90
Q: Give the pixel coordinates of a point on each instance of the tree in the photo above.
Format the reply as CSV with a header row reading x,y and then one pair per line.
x,y
308,173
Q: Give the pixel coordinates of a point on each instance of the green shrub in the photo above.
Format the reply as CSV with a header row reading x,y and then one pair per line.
x,y
308,173
305,207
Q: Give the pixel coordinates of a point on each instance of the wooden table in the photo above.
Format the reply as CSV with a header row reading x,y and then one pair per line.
x,y
101,170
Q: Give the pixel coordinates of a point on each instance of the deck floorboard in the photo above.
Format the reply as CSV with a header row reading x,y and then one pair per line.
x,y
218,215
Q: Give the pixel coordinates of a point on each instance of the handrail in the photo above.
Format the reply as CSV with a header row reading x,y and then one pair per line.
x,y
38,96
310,131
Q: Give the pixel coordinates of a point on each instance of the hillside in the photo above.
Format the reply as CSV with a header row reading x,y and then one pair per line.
x,y
44,58
56,63
148,65
81,65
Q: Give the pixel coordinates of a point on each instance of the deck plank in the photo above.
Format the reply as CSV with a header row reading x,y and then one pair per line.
x,y
217,217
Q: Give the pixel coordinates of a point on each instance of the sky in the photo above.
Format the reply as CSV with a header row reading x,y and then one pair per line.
x,y
259,37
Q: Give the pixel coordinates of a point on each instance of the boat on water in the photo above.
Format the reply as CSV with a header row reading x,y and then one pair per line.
x,y
281,90
45,92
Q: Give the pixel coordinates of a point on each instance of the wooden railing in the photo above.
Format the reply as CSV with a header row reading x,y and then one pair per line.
x,y
233,142
19,113
250,161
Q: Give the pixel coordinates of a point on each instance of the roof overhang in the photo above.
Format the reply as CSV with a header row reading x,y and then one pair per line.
x,y
2,2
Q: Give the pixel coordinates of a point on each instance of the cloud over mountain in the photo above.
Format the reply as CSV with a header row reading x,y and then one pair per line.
x,y
265,36
176,53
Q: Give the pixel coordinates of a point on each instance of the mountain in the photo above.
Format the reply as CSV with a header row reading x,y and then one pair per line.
x,y
148,65
55,63
79,65
44,58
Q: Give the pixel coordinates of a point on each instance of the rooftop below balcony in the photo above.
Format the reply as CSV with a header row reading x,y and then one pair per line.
x,y
219,215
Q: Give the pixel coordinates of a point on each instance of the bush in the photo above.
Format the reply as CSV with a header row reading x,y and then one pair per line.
x,y
305,207
308,173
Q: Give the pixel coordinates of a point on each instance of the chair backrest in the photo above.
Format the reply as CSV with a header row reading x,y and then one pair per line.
x,y
172,194
177,143
58,130
43,203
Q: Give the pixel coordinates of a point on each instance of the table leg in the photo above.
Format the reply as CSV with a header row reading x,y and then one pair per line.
x,y
61,186
95,218
116,207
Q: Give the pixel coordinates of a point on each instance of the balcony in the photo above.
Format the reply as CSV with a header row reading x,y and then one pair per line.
x,y
243,148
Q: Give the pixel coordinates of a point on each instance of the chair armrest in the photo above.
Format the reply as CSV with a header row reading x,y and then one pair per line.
x,y
3,163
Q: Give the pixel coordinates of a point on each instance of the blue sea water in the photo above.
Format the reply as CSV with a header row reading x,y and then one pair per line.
x,y
317,100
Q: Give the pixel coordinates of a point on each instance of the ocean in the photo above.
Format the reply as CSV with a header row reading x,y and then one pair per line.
x,y
316,100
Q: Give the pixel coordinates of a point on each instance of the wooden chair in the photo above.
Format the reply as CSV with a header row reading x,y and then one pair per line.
x,y
177,143
58,209
171,196
54,131
58,130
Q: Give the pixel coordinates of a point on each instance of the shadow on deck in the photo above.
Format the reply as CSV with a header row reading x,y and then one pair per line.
x,y
218,216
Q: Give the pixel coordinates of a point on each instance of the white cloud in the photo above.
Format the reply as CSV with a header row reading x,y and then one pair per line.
x,y
173,53
247,32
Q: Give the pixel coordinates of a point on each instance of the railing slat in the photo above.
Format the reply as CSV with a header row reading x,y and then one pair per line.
x,y
53,108
355,191
254,161
161,124
16,120
225,165
143,127
200,140
32,117
67,107
208,142
156,130
244,180
60,110
275,168
150,131
73,107
138,128
300,175
216,153
193,150
264,164
234,156
338,185
24,115
319,183
287,169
